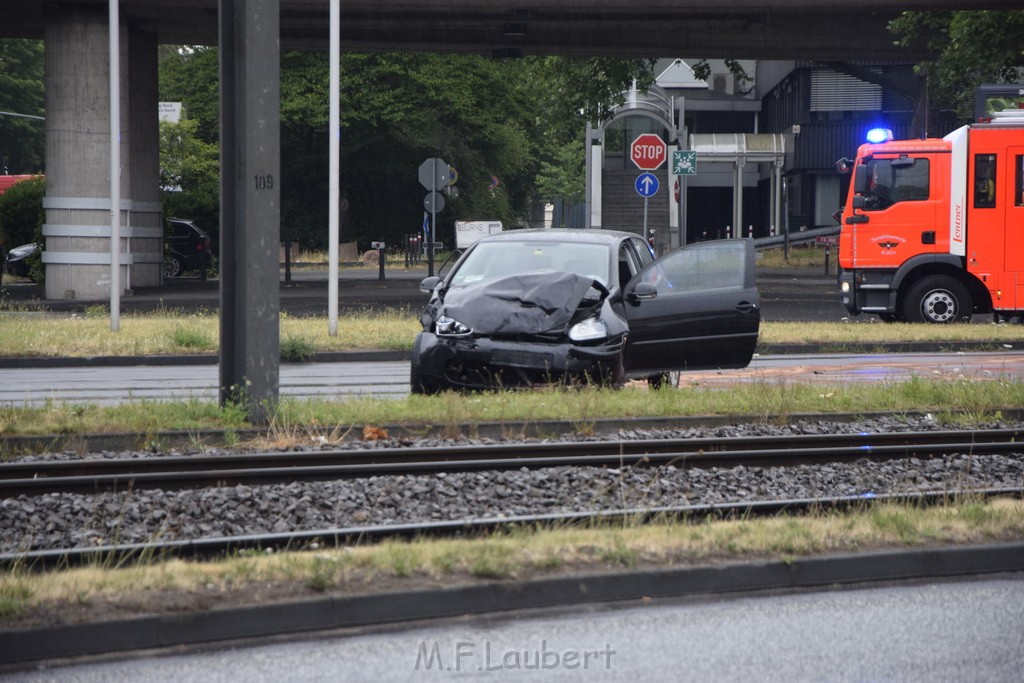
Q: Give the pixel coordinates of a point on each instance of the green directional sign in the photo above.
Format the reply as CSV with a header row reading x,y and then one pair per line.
x,y
684,162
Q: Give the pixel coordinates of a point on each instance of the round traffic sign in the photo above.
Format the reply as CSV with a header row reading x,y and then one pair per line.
x,y
646,184
648,151
433,202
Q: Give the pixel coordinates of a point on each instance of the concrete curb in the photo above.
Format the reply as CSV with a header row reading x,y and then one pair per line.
x,y
21,648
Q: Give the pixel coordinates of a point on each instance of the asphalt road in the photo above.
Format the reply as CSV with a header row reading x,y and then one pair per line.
x,y
801,294
944,631
112,385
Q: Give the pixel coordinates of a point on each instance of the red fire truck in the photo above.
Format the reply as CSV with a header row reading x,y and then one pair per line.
x,y
933,229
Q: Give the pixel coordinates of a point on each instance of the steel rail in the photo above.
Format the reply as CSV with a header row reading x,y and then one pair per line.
x,y
208,548
90,476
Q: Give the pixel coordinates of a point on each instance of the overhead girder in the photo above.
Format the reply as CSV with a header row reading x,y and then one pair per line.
x,y
740,29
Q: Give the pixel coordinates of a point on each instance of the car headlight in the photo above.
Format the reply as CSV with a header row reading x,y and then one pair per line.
x,y
451,327
590,329
844,287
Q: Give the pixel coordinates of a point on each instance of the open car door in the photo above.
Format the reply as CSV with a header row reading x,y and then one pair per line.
x,y
696,308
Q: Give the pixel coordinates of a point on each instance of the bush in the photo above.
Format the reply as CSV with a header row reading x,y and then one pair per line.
x,y
21,212
296,350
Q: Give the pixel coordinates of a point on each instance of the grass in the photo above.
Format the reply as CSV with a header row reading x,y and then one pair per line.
x,y
516,554
171,332
312,259
25,334
319,420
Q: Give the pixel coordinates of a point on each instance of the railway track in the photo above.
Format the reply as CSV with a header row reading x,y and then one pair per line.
x,y
111,474
30,479
206,548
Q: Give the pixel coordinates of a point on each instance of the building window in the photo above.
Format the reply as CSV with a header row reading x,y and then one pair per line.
x,y
833,91
984,181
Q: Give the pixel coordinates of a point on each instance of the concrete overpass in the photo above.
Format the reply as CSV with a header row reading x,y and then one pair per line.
x,y
756,29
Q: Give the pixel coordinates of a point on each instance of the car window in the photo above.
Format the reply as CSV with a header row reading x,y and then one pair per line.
x,y
628,264
490,260
894,180
643,249
706,267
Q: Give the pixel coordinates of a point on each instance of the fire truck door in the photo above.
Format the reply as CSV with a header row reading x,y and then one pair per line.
x,y
1015,226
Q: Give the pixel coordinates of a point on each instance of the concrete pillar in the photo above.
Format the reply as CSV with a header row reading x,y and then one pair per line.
x,y
146,215
77,202
250,204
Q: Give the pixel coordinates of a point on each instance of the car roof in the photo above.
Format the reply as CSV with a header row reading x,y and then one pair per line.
x,y
584,236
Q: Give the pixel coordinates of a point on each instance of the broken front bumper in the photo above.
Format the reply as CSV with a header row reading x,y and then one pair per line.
x,y
482,363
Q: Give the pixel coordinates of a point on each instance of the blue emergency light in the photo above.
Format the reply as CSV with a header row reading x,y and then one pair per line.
x,y
876,135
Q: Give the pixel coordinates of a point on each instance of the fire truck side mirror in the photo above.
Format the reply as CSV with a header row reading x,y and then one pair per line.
x,y
860,179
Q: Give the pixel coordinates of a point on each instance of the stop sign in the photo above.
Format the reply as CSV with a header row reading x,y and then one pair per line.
x,y
648,152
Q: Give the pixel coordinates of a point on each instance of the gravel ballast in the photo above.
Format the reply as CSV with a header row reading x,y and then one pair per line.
x,y
55,521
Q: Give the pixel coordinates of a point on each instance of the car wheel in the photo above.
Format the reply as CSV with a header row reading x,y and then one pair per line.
x,y
668,380
172,266
938,299
417,383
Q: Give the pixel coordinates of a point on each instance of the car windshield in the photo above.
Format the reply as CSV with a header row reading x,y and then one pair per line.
x,y
490,260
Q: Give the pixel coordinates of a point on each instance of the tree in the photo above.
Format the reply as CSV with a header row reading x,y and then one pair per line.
x,y
484,117
191,75
190,174
22,139
971,47
569,92
562,174
21,212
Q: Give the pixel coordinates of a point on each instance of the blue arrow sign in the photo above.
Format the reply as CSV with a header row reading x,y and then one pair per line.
x,y
646,184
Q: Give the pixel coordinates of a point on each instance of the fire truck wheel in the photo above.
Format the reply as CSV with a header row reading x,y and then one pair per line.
x,y
937,299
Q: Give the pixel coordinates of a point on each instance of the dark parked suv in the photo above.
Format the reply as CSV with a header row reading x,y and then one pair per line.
x,y
188,248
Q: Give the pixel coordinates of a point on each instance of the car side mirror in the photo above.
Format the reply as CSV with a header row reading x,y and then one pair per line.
x,y
428,284
644,291
860,179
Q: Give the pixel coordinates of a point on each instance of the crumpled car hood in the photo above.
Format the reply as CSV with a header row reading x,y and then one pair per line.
x,y
540,303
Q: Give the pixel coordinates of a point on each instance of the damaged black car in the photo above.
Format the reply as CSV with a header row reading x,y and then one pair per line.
x,y
529,307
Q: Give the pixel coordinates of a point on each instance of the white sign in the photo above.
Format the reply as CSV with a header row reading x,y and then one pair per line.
x,y
169,111
468,232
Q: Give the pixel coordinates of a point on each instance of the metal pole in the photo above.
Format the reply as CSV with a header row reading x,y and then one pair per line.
x,y
231,365
645,219
115,167
682,211
785,218
334,135
433,227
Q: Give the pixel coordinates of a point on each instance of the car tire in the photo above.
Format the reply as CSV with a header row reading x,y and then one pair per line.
x,y
172,266
417,383
938,299
668,380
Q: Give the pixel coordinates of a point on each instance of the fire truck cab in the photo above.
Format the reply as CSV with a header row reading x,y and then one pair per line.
x,y
933,229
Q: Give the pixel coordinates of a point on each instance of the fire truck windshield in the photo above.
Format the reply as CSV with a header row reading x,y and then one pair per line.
x,y
895,180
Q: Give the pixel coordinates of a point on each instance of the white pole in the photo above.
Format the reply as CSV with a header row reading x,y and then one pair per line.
x,y
334,134
115,167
